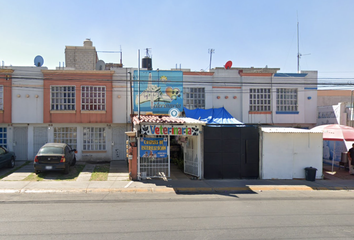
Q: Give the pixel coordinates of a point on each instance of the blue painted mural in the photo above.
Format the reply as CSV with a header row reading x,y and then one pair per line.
x,y
160,91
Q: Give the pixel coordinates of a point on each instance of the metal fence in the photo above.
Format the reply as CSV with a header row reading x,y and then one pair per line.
x,y
190,163
154,167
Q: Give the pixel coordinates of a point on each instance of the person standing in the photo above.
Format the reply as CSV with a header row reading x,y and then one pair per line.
x,y
351,160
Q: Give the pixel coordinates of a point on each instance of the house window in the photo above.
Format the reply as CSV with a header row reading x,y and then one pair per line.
x,y
66,135
1,97
3,137
93,98
260,99
94,138
287,100
194,98
62,97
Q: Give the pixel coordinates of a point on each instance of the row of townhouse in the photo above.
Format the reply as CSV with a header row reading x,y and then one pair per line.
x,y
91,109
76,107
257,95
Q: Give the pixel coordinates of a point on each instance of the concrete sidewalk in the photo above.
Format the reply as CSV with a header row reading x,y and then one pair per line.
x,y
118,182
173,186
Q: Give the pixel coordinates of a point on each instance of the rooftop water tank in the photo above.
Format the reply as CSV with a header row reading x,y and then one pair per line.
x,y
88,43
147,63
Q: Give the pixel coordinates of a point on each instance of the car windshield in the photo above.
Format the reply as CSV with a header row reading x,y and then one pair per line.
x,y
51,150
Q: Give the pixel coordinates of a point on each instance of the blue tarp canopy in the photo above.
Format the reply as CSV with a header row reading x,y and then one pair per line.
x,y
212,116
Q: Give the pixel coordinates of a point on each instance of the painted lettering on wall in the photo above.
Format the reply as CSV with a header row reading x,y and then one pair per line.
x,y
182,130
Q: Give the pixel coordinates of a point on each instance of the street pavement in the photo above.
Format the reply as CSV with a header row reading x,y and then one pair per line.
x,y
178,183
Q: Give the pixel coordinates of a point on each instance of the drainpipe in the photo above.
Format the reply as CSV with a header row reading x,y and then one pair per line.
x,y
351,112
271,98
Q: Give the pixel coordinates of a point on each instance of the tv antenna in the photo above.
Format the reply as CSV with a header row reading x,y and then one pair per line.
x,y
120,52
148,52
210,51
299,55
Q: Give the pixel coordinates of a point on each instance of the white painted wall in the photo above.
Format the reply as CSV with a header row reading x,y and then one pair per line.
x,y
27,95
239,108
121,95
285,155
310,92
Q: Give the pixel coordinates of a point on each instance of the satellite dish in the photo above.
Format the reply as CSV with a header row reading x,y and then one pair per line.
x,y
100,65
38,61
228,65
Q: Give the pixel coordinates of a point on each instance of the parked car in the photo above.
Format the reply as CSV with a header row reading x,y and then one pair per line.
x,y
7,158
54,157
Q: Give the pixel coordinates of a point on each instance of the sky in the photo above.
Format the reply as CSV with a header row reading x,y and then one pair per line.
x,y
252,33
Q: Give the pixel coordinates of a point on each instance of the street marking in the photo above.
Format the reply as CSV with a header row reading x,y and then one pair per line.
x,y
128,184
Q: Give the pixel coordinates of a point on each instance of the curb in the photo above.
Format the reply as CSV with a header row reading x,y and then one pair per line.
x,y
184,190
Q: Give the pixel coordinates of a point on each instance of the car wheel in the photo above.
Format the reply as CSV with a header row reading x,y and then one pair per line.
x,y
12,162
67,169
73,162
37,172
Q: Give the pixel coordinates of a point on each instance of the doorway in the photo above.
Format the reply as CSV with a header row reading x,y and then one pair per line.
x,y
20,141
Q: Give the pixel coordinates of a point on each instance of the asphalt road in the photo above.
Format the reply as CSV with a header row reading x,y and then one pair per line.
x,y
264,215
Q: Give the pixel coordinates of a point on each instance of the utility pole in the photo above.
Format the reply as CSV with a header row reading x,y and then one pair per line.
x,y
298,49
139,84
131,100
211,51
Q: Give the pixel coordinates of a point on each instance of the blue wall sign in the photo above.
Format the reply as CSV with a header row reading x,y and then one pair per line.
x,y
153,147
159,91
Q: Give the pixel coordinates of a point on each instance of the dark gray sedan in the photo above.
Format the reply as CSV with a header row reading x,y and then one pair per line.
x,y
7,158
54,157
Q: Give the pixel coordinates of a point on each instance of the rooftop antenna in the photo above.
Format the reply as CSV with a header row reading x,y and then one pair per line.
x,y
120,52
121,55
38,61
210,51
298,48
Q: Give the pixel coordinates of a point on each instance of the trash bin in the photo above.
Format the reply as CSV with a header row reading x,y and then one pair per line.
x,y
310,174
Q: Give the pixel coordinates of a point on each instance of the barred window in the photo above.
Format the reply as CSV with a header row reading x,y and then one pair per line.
x,y
194,98
94,138
1,97
260,99
66,135
287,100
62,97
93,98
3,137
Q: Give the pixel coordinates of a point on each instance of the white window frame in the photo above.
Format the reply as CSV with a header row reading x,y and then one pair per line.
x,y
260,100
287,99
94,139
194,97
61,99
66,135
93,98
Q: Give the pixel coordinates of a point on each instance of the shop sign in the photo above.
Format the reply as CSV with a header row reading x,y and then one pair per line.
x,y
153,147
179,130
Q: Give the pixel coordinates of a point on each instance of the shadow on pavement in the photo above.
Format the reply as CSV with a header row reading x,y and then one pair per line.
x,y
339,173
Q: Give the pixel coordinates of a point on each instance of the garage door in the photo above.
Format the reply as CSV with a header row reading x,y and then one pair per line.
x,y
231,152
